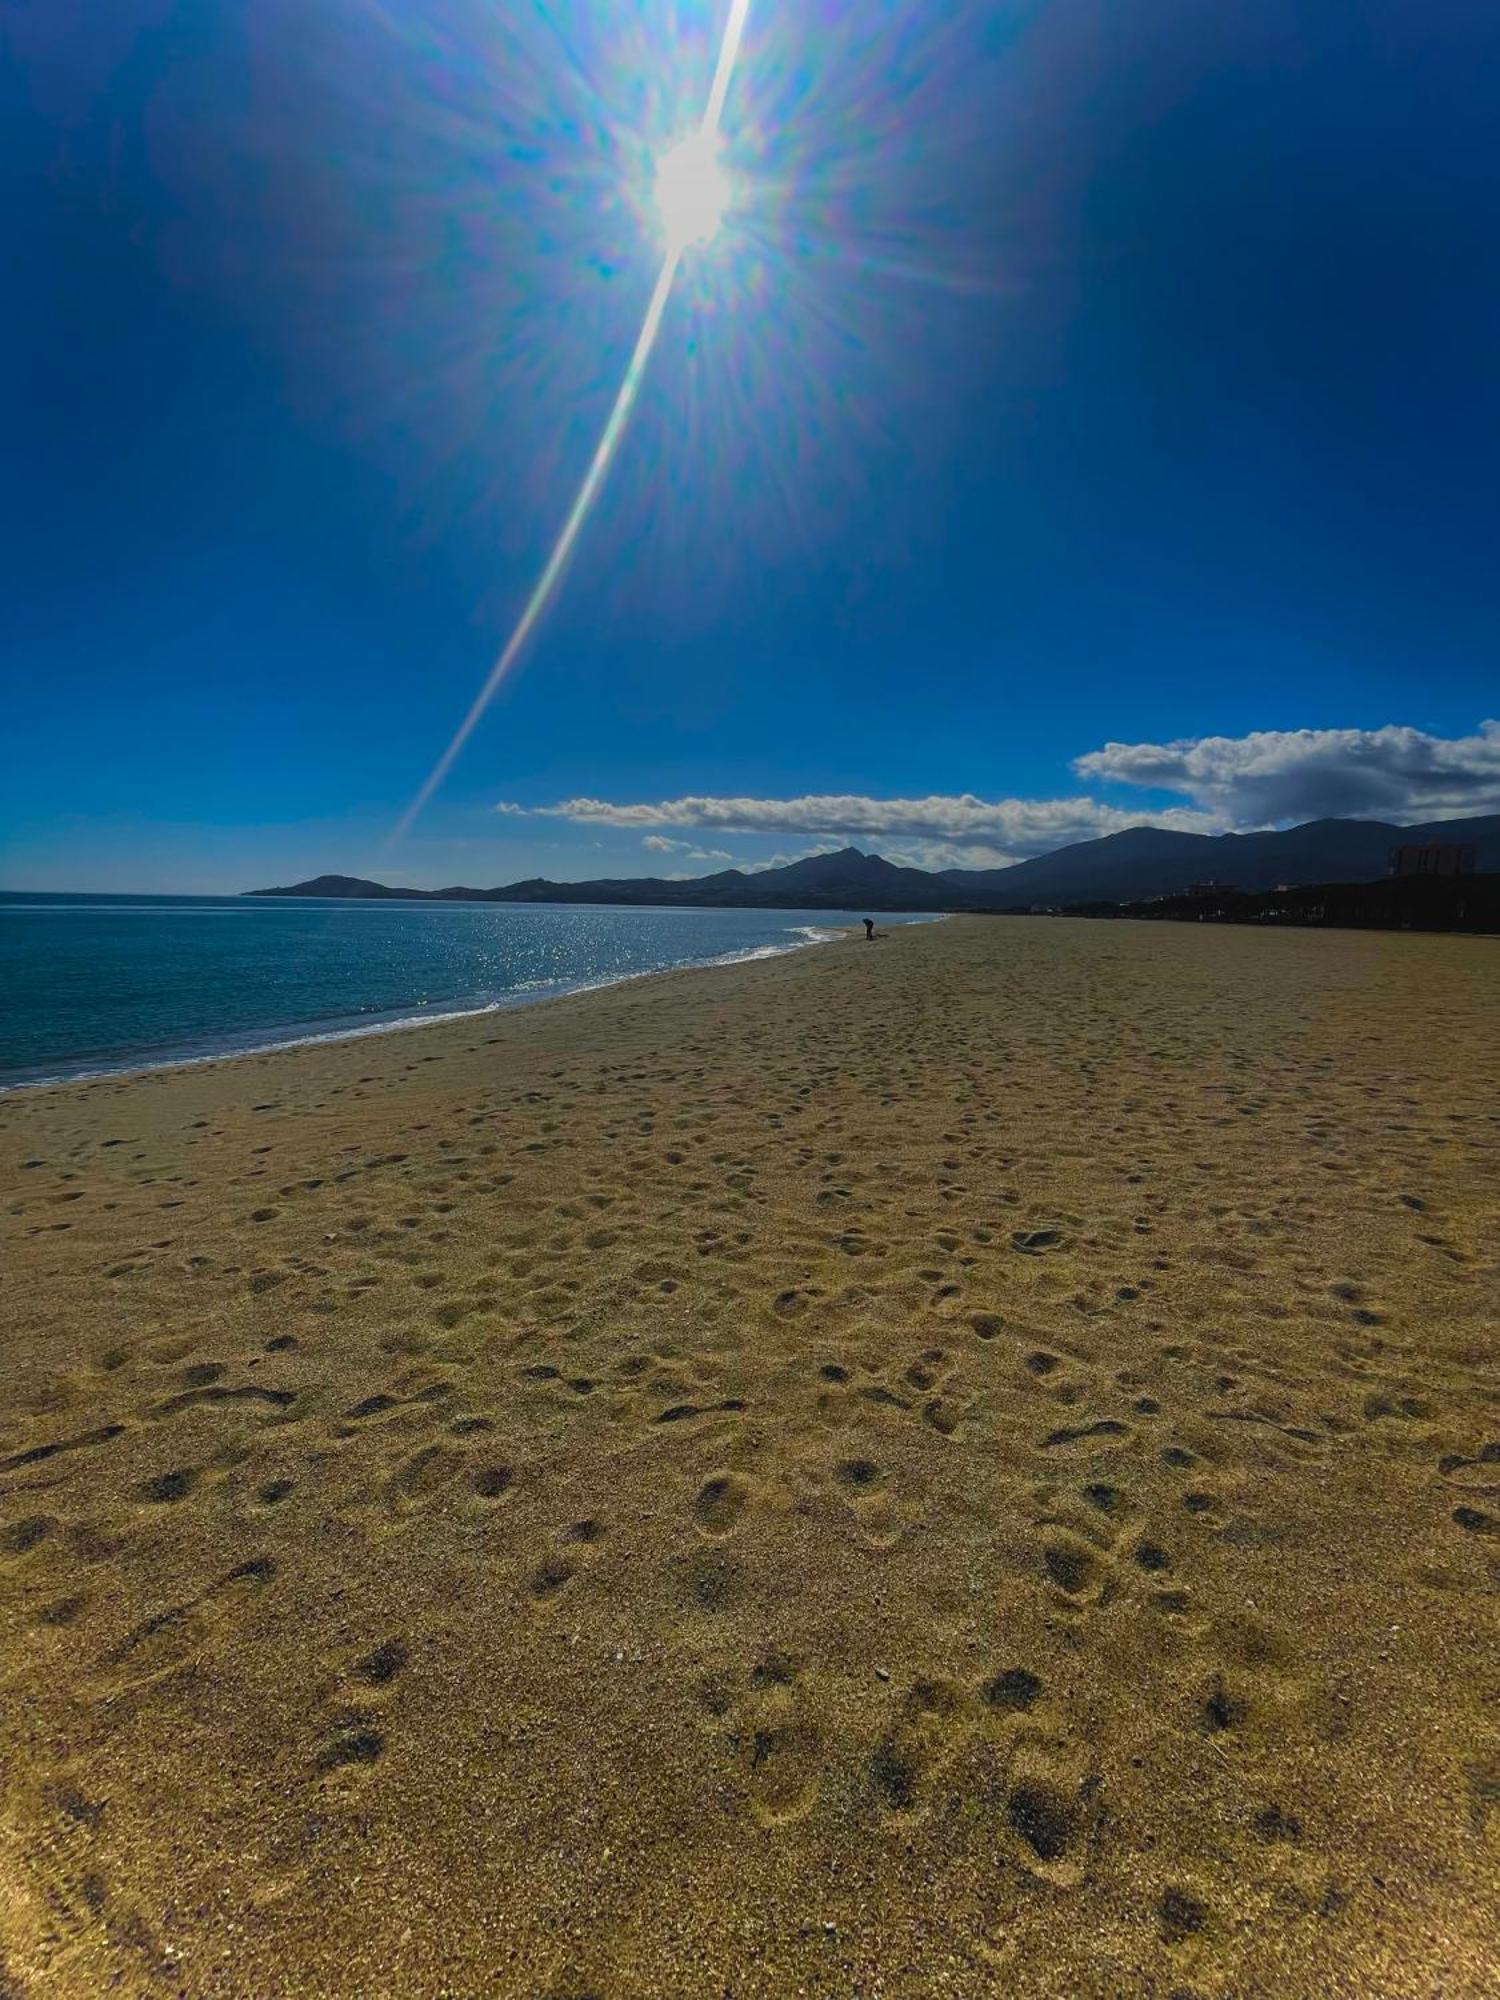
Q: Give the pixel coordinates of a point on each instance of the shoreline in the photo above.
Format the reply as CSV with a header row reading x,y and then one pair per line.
x,y
308,1035
963,1467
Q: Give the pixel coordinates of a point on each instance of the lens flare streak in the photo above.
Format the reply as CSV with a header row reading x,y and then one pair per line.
x,y
729,55
604,452
562,548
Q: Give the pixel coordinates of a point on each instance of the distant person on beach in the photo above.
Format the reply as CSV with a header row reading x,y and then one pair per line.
x,y
869,928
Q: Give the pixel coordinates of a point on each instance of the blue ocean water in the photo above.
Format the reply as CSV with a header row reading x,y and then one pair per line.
x,y
97,983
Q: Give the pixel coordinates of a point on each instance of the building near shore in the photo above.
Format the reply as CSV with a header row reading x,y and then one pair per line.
x,y
1449,857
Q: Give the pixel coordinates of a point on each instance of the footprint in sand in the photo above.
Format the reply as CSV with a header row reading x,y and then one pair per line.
x,y
778,1744
493,1482
553,1574
1086,1535
380,1666
1049,1808
419,1480
252,1394
78,1888
169,1487
171,1638
1474,1521
353,1743
937,1389
19,1538
1079,1573
561,1565
1105,1498
720,1502
1479,1474
1103,1431
927,1729
37,1454
865,1489
1036,1242
1012,1691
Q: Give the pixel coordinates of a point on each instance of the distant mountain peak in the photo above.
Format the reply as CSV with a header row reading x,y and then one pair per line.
x,y
1136,835
1134,864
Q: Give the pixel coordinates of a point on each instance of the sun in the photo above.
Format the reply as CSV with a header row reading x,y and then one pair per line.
x,y
692,191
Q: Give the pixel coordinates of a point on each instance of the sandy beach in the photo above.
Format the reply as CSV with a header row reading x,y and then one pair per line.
x,y
966,1465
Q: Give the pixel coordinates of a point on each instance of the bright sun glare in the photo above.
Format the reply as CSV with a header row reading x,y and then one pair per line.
x,y
692,191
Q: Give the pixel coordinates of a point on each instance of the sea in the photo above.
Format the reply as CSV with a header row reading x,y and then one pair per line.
x,y
96,984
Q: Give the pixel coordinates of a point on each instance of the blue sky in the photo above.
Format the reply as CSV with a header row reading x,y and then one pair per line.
x,y
1088,412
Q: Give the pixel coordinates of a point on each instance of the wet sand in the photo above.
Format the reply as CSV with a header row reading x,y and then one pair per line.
x,y
963,1466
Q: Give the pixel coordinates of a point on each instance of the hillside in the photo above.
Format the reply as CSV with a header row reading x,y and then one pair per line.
x,y
1122,867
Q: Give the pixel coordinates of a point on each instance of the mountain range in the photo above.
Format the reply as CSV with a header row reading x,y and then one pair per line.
x,y
1141,862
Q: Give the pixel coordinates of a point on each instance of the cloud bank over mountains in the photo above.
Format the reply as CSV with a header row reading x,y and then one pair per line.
x,y
973,831
1282,776
1233,784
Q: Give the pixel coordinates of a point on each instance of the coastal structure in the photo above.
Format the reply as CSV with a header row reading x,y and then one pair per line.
x,y
1436,857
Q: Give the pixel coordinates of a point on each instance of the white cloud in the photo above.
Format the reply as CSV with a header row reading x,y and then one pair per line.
x,y
658,843
1011,828
1269,777
936,854
1279,775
